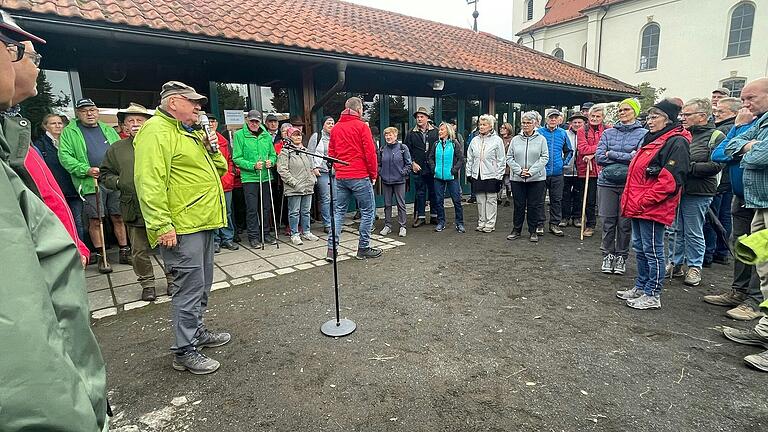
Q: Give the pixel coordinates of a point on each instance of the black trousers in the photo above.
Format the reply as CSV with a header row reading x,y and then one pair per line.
x,y
238,208
254,199
571,203
591,219
528,197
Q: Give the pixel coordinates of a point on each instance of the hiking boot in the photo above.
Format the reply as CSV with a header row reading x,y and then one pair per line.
x,y
555,229
309,236
230,245
728,298
216,248
296,240
402,232
269,239
329,255
563,223
645,302
534,237
124,256
619,265
386,230
745,337
693,277
148,294
419,222
209,339
513,236
327,230
369,252
607,266
460,228
195,362
236,238
540,231
744,312
674,271
104,266
577,223
255,244
758,361
440,226
589,232
630,294
721,260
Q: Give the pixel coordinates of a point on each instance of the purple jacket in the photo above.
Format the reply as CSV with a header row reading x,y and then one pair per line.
x,y
617,146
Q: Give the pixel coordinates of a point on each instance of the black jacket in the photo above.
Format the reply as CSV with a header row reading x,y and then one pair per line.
x,y
702,174
456,164
50,154
725,126
419,145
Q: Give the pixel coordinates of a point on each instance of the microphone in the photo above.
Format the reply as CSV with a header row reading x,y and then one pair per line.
x,y
206,124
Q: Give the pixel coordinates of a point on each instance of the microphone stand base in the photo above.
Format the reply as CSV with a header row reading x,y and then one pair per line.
x,y
342,328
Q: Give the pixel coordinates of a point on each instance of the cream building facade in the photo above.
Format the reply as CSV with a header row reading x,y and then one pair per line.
x,y
689,47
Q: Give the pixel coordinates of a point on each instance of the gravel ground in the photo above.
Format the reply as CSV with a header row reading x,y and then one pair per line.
x,y
455,333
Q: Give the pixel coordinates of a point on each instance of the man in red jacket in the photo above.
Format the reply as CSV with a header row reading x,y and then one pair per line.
x,y
351,141
224,237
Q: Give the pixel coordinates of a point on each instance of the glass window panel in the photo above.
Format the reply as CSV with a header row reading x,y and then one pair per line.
x,y
740,34
649,48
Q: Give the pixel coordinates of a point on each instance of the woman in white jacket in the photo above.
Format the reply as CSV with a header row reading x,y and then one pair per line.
x,y
486,161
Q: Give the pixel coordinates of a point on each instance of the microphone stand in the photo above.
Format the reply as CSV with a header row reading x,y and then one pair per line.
x,y
336,327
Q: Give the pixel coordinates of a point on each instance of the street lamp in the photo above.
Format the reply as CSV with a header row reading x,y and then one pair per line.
x,y
475,14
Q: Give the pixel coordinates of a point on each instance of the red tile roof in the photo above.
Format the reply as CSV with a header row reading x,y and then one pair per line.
x,y
331,26
562,11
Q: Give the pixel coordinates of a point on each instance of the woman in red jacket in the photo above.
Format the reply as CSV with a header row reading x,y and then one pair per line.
x,y
587,139
651,195
224,237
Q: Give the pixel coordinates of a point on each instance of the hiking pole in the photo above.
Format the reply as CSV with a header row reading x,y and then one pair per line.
x,y
584,201
107,267
261,211
274,216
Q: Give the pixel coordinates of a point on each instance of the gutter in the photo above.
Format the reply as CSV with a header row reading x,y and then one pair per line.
x,y
341,79
240,48
600,40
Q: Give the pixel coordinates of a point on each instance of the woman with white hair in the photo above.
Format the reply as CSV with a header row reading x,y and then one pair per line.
x,y
485,169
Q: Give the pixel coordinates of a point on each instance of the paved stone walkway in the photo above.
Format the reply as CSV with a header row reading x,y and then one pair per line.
x,y
117,292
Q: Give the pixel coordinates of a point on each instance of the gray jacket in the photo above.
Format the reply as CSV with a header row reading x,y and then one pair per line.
x,y
296,171
531,153
485,157
319,148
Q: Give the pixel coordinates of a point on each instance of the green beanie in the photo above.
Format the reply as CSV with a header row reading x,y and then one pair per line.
x,y
633,103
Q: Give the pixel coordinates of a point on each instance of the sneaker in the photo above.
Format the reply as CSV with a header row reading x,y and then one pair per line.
x,y
209,339
216,248
230,245
479,228
555,229
577,223
507,203
402,232
693,277
489,229
534,237
630,294
744,312
563,223
645,302
269,239
721,260
255,244
674,271
369,252
460,228
440,226
472,200
758,361
745,337
104,266
607,266
386,230
329,255
513,236
296,240
419,222
195,362
309,236
728,298
148,294
589,232
124,256
620,265
327,230
540,231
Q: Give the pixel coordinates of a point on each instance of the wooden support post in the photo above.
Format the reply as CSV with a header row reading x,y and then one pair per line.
x,y
308,86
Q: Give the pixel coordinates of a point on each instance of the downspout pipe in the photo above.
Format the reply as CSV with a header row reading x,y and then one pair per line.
x,y
341,79
600,39
533,40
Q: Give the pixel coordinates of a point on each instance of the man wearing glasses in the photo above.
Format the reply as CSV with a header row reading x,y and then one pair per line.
x,y
82,147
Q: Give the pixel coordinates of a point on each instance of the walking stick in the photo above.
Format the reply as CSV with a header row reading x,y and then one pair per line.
x,y
261,212
107,267
274,216
584,201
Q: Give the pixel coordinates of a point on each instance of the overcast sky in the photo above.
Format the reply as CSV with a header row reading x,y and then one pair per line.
x,y
495,15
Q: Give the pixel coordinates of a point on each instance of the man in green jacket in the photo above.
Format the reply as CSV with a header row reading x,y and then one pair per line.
x,y
177,176
254,153
82,147
52,375
116,173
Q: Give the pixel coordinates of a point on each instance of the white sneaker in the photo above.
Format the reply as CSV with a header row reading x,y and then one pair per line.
x,y
402,232
309,236
295,239
386,230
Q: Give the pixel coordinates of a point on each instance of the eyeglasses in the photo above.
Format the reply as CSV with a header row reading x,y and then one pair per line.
x,y
686,115
21,52
15,48
625,109
653,117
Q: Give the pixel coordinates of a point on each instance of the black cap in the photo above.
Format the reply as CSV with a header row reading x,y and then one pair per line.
x,y
85,102
672,110
587,105
271,117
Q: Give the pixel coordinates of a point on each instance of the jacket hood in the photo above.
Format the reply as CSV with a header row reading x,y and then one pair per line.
x,y
533,135
627,127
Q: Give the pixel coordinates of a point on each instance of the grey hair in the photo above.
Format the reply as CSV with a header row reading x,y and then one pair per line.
x,y
658,112
530,115
354,103
491,120
285,126
164,102
731,104
449,129
597,107
701,104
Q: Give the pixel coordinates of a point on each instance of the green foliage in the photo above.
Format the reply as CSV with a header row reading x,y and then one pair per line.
x,y
230,97
649,95
35,108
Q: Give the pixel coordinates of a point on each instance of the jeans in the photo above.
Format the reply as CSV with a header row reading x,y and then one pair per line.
x,y
617,230
528,197
76,206
298,209
425,189
324,195
256,195
554,185
689,245
715,246
454,189
648,243
571,203
396,191
745,278
226,234
362,191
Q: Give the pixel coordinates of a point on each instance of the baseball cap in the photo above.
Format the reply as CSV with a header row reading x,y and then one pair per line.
x,y
172,88
587,105
293,130
554,112
722,90
253,115
271,117
9,28
84,102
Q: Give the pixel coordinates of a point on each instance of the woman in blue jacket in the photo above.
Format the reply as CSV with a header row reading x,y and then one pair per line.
x,y
446,159
615,150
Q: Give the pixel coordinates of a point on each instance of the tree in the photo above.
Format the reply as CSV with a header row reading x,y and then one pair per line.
x,y
649,95
230,97
35,108
280,100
